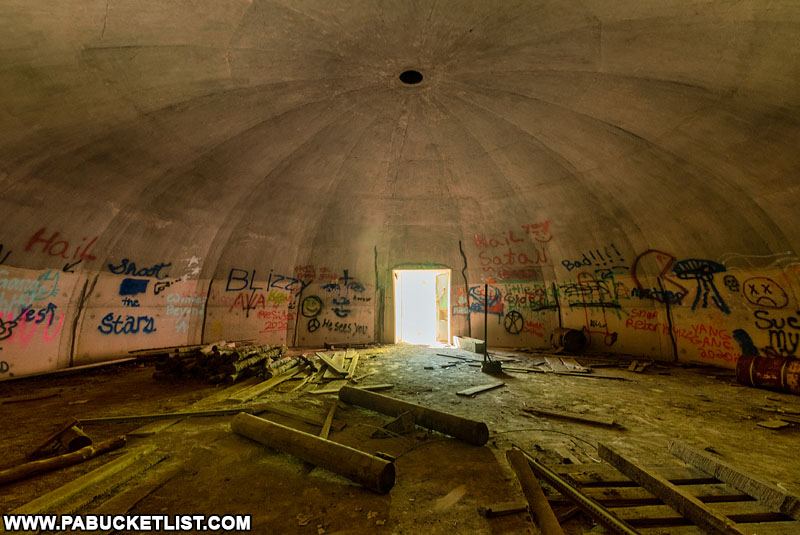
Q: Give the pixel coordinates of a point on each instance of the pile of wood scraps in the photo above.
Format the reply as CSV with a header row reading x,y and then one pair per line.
x,y
223,362
338,369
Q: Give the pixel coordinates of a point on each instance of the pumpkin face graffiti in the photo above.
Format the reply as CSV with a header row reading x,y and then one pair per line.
x,y
764,292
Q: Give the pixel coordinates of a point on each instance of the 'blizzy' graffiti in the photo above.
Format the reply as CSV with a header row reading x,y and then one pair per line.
x,y
241,279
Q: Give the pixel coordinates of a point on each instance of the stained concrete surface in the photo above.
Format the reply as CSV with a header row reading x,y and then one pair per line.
x,y
228,141
440,481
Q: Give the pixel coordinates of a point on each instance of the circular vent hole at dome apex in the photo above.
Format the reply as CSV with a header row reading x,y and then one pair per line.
x,y
411,77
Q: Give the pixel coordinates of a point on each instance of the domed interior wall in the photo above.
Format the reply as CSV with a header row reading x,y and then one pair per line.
x,y
179,173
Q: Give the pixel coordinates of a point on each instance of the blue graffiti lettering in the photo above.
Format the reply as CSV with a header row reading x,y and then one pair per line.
x,y
126,267
130,325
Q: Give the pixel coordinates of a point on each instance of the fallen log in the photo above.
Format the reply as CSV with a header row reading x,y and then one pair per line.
x,y
372,472
37,467
545,518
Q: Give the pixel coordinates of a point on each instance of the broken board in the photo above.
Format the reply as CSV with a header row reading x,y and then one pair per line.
x,y
478,389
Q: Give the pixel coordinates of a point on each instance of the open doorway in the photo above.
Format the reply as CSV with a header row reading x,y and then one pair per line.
x,y
421,306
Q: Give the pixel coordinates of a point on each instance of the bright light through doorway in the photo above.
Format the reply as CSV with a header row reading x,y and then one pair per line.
x,y
422,311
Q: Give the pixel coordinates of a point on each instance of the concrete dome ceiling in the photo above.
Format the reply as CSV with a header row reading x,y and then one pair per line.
x,y
275,134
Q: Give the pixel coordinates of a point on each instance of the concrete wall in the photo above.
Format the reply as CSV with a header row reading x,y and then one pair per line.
x,y
651,303
181,172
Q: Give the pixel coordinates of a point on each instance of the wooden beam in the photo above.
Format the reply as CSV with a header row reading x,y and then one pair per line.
x,y
326,427
680,500
331,364
583,418
170,415
478,389
32,468
353,364
83,490
261,388
545,518
502,509
766,493
385,386
555,364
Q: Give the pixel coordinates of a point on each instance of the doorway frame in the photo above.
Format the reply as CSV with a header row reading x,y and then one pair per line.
x,y
397,293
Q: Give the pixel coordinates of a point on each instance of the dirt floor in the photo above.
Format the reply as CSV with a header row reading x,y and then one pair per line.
x,y
441,482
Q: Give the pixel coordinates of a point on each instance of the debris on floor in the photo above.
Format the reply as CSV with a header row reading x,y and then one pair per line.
x,y
368,470
469,392
53,463
581,418
773,424
189,424
226,362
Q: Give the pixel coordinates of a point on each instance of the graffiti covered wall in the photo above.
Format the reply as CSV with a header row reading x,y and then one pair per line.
x,y
649,302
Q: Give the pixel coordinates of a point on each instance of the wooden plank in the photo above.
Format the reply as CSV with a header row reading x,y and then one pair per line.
x,y
332,386
265,386
603,475
545,518
122,502
573,365
478,389
353,364
503,509
672,495
171,415
555,364
331,364
326,427
766,493
362,376
83,490
582,418
300,415
302,383
335,389
339,358
631,496
153,427
663,515
317,377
